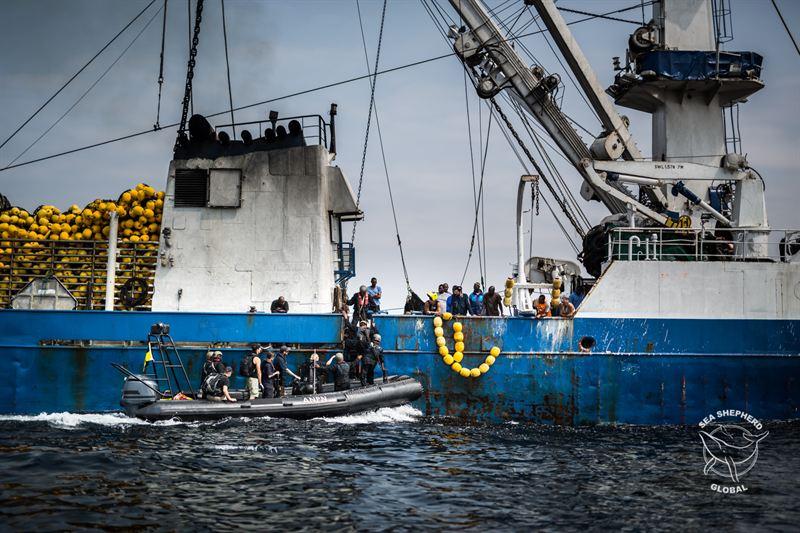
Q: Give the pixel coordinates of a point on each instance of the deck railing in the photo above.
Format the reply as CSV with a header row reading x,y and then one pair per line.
x,y
689,244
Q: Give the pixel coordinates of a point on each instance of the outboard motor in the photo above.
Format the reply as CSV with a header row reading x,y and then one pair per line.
x,y
136,393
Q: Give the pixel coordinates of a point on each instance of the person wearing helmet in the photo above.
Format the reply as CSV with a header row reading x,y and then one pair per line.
x,y
373,356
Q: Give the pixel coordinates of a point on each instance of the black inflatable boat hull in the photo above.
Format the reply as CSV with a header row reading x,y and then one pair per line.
x,y
397,391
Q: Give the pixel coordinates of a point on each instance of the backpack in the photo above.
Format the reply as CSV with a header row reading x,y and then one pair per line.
x,y
211,385
246,366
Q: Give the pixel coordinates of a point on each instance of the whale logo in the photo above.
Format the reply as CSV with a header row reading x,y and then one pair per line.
x,y
730,451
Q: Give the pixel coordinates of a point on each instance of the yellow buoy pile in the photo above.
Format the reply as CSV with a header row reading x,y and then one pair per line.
x,y
139,211
72,244
454,360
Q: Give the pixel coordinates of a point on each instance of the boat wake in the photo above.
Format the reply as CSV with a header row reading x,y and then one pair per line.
x,y
404,413
74,420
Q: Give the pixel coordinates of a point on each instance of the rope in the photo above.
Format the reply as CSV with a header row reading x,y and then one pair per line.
x,y
369,119
228,67
383,153
474,190
157,125
783,21
128,25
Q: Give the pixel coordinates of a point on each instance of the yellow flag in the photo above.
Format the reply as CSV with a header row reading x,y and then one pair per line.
x,y
147,358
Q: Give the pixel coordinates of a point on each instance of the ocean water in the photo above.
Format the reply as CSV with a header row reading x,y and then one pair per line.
x,y
388,470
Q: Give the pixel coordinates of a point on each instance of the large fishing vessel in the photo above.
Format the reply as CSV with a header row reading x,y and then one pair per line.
x,y
692,300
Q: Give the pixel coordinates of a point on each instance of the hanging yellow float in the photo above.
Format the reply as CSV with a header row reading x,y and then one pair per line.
x,y
454,360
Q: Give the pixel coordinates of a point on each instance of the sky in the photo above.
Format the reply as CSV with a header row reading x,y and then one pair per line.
x,y
278,48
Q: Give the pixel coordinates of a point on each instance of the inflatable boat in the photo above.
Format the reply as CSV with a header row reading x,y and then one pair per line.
x,y
139,399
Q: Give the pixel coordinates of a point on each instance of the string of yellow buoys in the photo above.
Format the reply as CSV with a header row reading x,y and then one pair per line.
x,y
454,360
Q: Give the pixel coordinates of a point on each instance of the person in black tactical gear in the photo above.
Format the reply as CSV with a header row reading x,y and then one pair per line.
x,y
373,355
250,368
310,376
269,376
213,365
215,387
341,372
283,369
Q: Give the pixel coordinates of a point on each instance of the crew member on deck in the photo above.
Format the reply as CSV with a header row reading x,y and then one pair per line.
x,y
279,306
567,310
476,300
493,303
458,303
541,307
375,292
431,307
341,372
360,303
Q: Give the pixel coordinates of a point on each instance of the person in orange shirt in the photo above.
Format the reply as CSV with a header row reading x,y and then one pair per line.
x,y
542,309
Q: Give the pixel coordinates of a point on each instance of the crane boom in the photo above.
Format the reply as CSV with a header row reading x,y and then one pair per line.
x,y
496,66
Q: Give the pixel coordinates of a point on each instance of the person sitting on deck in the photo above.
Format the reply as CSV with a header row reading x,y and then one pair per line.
x,y
279,306
541,307
431,307
215,387
341,372
567,310
458,303
268,375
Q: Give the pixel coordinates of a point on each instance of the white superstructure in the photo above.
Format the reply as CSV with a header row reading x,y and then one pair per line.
x,y
269,227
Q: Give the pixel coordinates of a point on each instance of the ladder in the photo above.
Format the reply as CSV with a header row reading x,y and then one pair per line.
x,y
166,362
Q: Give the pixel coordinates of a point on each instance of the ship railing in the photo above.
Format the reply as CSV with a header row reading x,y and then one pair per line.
x,y
81,266
690,244
315,128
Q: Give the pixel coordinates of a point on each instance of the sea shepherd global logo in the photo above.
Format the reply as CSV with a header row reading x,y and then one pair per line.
x,y
730,447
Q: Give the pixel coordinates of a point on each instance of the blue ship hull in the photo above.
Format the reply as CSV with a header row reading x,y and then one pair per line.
x,y
641,371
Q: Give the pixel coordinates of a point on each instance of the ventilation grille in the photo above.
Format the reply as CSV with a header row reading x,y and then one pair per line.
x,y
191,188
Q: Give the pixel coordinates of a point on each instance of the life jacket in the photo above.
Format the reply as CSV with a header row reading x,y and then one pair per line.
x,y
247,367
541,309
362,301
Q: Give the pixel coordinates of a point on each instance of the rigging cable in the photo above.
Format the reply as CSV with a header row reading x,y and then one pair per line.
x,y
369,118
292,95
597,15
786,26
383,154
484,154
228,67
87,91
128,25
472,167
157,125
